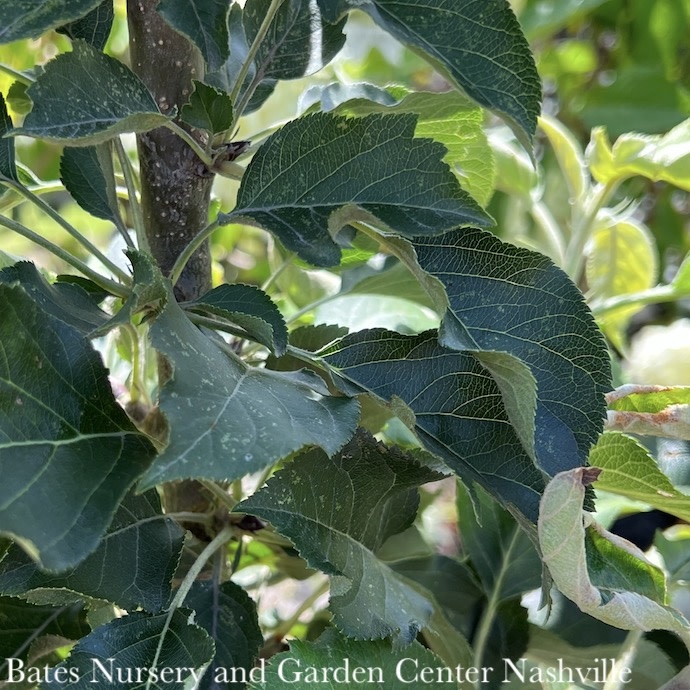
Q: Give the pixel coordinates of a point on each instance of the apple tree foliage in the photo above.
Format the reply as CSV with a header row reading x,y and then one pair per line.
x,y
235,398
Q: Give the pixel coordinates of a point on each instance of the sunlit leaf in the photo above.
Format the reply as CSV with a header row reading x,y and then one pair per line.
x,y
569,154
320,172
368,600
88,97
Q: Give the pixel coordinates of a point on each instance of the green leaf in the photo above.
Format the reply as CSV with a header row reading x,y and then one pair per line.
x,y
362,167
630,471
127,644
250,308
93,27
569,154
365,494
515,173
8,168
29,19
68,452
449,118
83,172
132,567
648,399
208,109
479,46
457,403
512,300
501,552
606,576
228,419
621,259
676,555
298,43
24,623
371,664
65,301
88,97
228,615
204,23
658,158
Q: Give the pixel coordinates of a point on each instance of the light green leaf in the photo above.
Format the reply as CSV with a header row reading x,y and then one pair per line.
x,y
478,45
676,554
372,664
23,624
657,157
681,281
621,259
298,43
204,22
569,154
132,567
603,582
8,168
228,419
630,471
60,426
88,97
93,27
208,109
29,18
65,301
368,600
515,173
228,615
648,399
321,171
250,308
449,118
457,404
83,173
129,643
512,300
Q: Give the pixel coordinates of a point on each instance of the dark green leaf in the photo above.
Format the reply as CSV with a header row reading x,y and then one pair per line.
x,y
250,308
94,27
501,552
458,406
132,567
8,169
88,97
228,615
204,22
372,664
208,109
298,43
321,172
127,644
228,419
21,624
68,452
364,495
82,173
478,45
30,18
65,301
507,299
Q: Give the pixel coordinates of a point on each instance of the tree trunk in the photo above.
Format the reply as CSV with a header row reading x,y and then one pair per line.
x,y
175,184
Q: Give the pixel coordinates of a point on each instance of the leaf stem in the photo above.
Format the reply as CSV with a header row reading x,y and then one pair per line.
x,y
189,250
183,590
550,230
489,613
238,108
108,285
191,142
615,679
284,264
16,74
661,293
285,626
223,496
135,207
87,244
